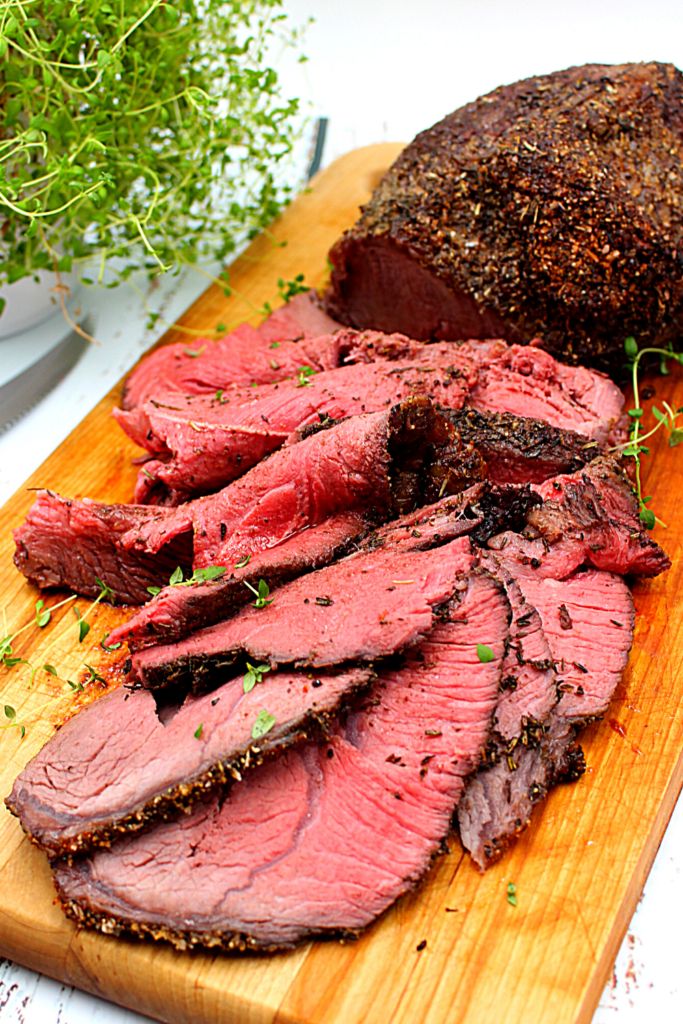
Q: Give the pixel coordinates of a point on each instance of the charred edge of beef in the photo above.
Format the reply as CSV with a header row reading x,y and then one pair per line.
x,y
182,797
427,456
237,942
520,449
501,509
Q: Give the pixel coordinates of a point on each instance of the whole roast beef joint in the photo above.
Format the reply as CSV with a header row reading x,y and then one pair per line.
x,y
380,547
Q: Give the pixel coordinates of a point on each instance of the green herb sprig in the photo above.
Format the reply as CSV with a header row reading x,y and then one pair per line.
x,y
261,590
666,419
253,675
148,132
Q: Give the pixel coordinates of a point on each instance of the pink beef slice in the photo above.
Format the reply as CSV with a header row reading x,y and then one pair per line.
x,y
274,349
526,381
122,761
201,443
77,544
337,472
177,611
588,623
325,838
586,518
365,607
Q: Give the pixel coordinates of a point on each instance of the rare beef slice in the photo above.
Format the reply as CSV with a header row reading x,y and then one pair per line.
x,y
361,609
587,621
124,761
550,208
324,839
200,443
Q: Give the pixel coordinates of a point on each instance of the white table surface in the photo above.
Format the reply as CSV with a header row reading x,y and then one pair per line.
x,y
383,71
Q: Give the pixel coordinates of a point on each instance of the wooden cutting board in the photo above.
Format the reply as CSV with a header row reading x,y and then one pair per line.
x,y
578,871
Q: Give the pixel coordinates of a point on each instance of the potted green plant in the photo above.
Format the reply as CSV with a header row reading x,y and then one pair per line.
x,y
146,135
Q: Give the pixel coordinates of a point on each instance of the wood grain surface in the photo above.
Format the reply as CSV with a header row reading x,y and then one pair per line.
x,y
578,871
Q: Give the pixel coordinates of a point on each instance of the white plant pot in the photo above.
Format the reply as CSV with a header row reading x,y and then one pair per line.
x,y
29,302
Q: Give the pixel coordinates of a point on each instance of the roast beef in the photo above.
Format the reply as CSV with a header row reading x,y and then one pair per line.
x,y
122,761
324,839
519,449
201,443
384,462
588,623
586,518
363,608
80,544
549,208
276,348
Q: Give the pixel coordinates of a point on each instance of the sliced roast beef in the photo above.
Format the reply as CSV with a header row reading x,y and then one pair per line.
x,y
122,761
324,839
79,545
385,461
589,517
549,208
588,623
363,608
178,610
264,353
518,449
201,443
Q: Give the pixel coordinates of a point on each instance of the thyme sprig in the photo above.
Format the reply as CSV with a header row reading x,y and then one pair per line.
x,y
667,419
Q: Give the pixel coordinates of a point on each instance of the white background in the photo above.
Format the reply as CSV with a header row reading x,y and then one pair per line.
x,y
384,71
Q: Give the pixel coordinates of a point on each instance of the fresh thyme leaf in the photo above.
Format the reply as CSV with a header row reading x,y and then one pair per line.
x,y
263,724
211,572
43,614
154,591
675,437
631,347
93,675
219,397
106,593
50,669
484,653
512,894
109,647
198,731
175,577
261,590
77,687
274,344
83,626
243,562
304,373
254,675
10,712
288,289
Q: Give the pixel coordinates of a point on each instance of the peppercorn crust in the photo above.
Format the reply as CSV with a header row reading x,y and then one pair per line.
x,y
555,203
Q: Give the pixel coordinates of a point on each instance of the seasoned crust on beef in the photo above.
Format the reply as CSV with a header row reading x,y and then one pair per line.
x,y
549,208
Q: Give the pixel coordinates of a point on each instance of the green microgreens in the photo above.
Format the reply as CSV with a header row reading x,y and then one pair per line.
x,y
146,133
263,724
666,420
484,653
288,289
512,894
254,675
303,376
261,590
176,579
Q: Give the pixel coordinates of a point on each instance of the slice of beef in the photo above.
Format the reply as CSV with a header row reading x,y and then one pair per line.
x,y
364,608
75,544
384,462
264,353
122,761
201,443
177,611
512,217
526,381
519,449
586,518
588,622
324,839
